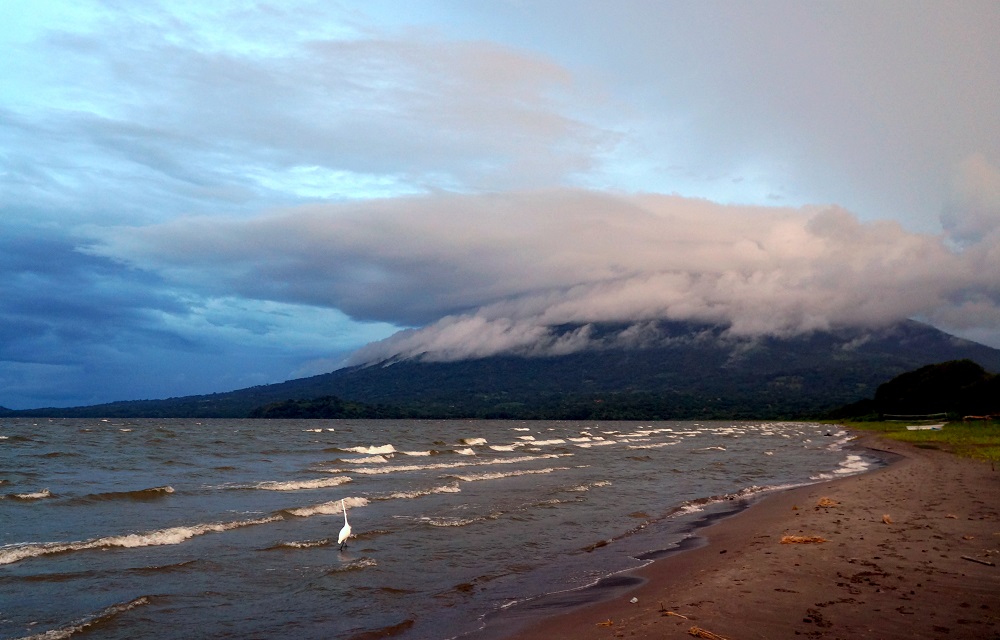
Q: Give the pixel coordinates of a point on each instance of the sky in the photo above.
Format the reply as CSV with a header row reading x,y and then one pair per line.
x,y
200,197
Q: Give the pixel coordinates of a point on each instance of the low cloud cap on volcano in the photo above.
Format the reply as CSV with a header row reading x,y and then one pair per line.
x,y
478,275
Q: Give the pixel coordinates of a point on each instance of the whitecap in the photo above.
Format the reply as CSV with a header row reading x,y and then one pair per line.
x,y
465,452
472,442
448,465
506,447
160,537
327,508
34,495
407,495
496,475
296,485
366,460
386,448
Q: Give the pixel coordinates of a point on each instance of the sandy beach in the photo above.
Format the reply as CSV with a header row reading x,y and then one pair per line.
x,y
907,551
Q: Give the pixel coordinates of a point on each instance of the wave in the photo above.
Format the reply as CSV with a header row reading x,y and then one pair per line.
x,y
447,465
356,565
296,485
372,451
655,445
29,497
588,486
407,495
326,508
541,443
506,447
496,475
699,504
365,460
595,443
472,442
464,452
418,453
850,465
303,544
90,622
173,535
139,494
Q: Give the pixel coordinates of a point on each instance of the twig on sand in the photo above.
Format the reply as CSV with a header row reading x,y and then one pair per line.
x,y
675,614
606,623
971,559
698,632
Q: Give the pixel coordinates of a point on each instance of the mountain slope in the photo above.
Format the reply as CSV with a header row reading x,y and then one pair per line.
x,y
685,371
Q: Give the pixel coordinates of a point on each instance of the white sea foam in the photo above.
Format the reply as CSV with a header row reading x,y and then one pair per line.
x,y
406,495
542,443
472,442
496,475
465,452
372,451
526,437
296,485
447,465
303,544
595,443
366,460
327,508
588,486
521,429
34,495
416,453
654,445
170,536
505,447
851,465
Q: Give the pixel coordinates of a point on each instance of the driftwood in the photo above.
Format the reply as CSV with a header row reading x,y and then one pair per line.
x,y
802,539
827,502
698,632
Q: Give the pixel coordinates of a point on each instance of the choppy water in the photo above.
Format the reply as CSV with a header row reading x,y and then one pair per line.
x,y
227,528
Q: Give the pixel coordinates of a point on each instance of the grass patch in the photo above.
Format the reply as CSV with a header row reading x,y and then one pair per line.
x,y
979,440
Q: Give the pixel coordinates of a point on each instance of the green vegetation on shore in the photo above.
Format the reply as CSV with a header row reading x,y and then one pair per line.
x,y
979,439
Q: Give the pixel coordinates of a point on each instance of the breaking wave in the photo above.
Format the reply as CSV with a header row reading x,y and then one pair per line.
x,y
90,622
296,485
173,535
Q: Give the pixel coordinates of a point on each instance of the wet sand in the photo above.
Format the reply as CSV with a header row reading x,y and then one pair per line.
x,y
903,557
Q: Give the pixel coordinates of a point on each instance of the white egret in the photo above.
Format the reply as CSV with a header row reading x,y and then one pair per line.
x,y
345,533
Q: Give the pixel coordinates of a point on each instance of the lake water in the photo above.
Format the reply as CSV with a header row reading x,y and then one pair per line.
x,y
228,528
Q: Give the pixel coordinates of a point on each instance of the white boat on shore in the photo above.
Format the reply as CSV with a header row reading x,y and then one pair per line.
x,y
925,427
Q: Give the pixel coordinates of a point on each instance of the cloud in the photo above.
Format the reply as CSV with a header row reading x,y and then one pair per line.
x,y
482,274
973,213
146,127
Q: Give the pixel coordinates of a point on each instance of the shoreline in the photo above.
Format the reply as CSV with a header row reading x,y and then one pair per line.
x,y
916,573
